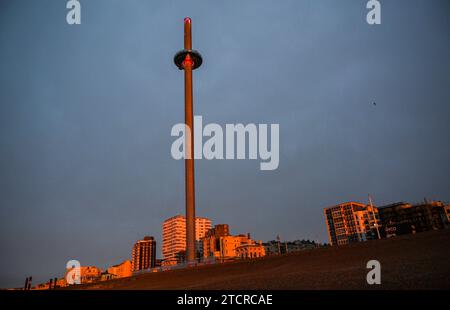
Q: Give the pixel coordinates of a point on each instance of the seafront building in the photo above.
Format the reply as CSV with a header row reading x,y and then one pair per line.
x,y
219,244
174,238
351,222
354,222
144,254
404,218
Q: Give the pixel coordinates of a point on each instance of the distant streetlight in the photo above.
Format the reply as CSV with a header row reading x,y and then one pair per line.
x,y
374,218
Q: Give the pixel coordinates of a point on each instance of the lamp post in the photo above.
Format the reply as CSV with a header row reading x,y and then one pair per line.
x,y
188,60
374,217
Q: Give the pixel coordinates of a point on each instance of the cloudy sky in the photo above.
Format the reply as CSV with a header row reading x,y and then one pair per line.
x,y
86,113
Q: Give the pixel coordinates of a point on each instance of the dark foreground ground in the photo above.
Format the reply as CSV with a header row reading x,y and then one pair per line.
x,y
420,261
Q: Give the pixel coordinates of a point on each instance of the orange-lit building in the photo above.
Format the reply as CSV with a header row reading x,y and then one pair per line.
x,y
218,243
88,274
143,254
121,270
251,250
49,285
351,222
211,240
240,246
61,282
106,276
228,245
174,237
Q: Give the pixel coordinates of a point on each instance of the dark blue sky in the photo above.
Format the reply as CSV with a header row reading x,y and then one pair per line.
x,y
86,113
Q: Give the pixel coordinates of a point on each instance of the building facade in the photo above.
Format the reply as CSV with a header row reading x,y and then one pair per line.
x,y
250,250
106,276
174,238
276,247
211,240
404,218
144,254
121,270
218,243
88,274
229,244
352,222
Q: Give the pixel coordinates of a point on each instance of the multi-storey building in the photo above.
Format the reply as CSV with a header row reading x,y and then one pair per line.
x,y
352,222
211,240
229,244
144,254
251,250
404,218
219,244
174,237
